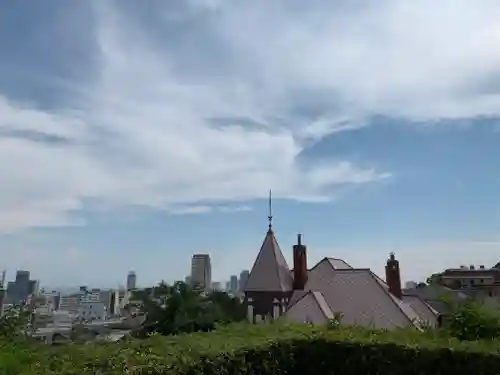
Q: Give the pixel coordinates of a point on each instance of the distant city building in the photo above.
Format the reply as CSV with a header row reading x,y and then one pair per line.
x,y
479,281
70,303
19,290
2,298
50,302
233,284
187,280
201,271
131,280
228,286
217,286
92,310
410,285
243,279
76,303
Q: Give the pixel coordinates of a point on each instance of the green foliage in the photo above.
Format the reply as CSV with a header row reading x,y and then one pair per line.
x,y
336,321
14,324
473,321
435,279
262,349
176,309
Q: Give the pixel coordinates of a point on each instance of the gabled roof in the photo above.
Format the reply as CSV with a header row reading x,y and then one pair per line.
x,y
339,264
433,295
426,313
359,295
309,307
270,272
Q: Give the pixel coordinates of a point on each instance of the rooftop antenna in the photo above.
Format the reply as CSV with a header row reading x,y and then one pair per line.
x,y
270,217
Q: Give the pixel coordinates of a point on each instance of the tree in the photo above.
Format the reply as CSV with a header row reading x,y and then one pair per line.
x,y
229,308
472,321
181,309
14,324
435,279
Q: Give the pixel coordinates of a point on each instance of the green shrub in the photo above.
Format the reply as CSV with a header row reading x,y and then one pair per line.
x,y
473,321
263,349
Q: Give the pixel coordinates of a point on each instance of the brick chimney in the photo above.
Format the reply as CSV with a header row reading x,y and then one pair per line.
x,y
299,264
393,276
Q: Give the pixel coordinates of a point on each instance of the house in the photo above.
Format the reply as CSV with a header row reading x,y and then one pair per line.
x,y
479,282
316,295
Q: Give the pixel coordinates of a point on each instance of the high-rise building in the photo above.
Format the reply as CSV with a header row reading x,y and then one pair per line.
x,y
187,280
201,271
243,279
2,296
131,280
233,284
19,290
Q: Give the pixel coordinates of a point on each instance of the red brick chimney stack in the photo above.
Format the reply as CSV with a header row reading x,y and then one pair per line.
x,y
393,276
299,264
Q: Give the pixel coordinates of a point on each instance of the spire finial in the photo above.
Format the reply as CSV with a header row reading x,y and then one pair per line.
x,y
270,217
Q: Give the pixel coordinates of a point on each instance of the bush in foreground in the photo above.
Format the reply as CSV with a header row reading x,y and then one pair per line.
x,y
473,321
262,349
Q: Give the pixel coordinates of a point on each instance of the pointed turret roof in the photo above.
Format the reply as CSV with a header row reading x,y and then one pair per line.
x,y
270,272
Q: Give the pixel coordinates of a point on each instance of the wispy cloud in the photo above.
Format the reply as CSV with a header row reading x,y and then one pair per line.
x,y
138,129
190,210
234,209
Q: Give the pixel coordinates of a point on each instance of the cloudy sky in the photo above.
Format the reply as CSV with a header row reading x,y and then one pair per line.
x,y
133,134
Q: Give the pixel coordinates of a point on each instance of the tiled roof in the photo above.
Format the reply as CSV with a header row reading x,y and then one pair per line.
x,y
270,271
433,296
311,307
425,312
339,264
359,295
297,295
435,292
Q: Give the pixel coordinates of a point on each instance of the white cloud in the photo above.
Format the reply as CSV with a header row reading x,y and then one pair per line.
x,y
394,57
188,210
234,209
138,135
137,130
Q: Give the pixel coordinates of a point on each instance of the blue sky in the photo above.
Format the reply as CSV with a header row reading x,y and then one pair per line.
x,y
134,134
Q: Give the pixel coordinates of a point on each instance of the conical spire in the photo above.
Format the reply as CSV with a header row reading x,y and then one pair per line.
x,y
270,272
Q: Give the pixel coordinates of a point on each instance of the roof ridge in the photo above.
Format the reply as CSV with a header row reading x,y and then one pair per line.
x,y
429,307
300,298
320,305
274,240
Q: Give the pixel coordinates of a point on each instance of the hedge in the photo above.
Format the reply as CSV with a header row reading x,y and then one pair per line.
x,y
262,350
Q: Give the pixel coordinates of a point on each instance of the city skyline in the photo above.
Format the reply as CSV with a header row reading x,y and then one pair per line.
x,y
132,137
131,283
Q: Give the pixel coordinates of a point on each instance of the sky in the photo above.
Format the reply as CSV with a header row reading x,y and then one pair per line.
x,y
134,134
